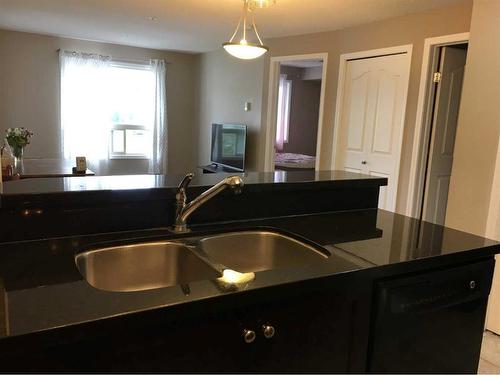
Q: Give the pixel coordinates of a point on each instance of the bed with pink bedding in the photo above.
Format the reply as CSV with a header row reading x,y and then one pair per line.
x,y
289,162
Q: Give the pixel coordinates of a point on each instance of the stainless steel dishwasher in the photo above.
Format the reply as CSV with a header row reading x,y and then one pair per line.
x,y
432,321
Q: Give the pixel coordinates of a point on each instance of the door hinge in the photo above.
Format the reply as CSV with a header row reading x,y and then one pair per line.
x,y
436,78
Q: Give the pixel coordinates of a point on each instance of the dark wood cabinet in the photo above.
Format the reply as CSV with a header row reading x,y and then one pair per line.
x,y
313,329
312,333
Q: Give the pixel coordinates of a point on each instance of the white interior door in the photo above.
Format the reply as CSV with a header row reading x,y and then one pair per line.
x,y
449,92
372,119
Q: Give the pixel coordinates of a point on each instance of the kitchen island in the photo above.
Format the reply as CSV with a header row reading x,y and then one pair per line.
x,y
394,295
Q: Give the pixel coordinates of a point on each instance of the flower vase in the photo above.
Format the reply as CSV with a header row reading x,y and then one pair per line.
x,y
18,153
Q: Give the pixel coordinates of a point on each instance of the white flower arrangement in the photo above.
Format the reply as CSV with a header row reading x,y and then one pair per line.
x,y
18,139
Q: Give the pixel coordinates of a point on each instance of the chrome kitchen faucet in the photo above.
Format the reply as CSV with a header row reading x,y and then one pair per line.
x,y
183,210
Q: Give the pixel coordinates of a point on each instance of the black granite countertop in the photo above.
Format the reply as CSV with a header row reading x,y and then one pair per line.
x,y
41,288
151,187
137,182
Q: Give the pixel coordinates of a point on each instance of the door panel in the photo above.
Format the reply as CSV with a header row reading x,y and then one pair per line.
x,y
443,183
312,333
357,112
371,125
449,91
383,132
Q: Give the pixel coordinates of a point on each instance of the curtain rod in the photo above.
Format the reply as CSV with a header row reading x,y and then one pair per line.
x,y
117,59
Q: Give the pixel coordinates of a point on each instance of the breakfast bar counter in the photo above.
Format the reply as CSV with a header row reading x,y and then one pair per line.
x,y
378,280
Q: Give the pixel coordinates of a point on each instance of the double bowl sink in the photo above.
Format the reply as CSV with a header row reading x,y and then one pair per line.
x,y
160,264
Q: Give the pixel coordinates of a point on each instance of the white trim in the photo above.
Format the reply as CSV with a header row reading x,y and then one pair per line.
x,y
493,223
344,58
272,104
493,232
422,121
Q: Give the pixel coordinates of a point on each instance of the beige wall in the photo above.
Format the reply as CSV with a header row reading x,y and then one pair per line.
x,y
225,84
29,94
478,124
410,29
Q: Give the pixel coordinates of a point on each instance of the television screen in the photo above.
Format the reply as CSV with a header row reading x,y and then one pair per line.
x,y
228,146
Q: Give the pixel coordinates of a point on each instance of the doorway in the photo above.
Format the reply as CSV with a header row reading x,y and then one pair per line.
x,y
299,95
448,81
437,117
370,115
295,112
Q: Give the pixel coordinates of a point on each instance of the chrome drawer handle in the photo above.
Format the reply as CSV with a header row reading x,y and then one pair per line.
x,y
268,331
249,336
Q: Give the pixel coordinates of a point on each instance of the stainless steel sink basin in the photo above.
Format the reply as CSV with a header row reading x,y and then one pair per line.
x,y
254,251
142,267
153,265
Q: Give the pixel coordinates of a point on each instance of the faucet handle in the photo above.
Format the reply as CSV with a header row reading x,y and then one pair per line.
x,y
185,181
180,197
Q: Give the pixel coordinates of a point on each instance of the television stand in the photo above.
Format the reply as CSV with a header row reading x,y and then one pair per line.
x,y
214,168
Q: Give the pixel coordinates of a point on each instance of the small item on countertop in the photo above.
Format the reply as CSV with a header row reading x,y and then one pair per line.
x,y
9,175
232,280
7,161
81,165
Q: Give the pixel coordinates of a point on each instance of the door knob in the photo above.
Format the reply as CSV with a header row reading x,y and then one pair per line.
x,y
249,336
268,331
363,162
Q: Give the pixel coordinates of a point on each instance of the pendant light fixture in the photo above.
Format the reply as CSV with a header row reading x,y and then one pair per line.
x,y
244,49
261,3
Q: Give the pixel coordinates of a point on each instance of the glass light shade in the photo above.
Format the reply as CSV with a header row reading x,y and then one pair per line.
x,y
245,51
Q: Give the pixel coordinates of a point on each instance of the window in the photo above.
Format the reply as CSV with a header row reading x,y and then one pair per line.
x,y
130,142
283,113
113,110
131,110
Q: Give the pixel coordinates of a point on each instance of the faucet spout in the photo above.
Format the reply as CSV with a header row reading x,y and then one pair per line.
x,y
184,211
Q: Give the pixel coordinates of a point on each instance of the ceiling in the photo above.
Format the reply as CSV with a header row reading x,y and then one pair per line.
x,y
192,25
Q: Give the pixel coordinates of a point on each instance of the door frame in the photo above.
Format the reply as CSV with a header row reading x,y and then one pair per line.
x,y
493,232
344,59
272,105
423,119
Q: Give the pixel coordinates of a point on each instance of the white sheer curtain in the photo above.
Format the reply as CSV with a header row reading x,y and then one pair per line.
x,y
158,162
283,113
84,114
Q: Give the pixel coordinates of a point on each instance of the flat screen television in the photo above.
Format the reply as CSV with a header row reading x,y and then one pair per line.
x,y
228,146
